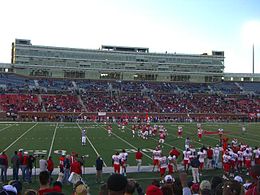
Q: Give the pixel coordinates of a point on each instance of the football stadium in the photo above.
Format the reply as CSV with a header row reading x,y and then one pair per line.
x,y
144,115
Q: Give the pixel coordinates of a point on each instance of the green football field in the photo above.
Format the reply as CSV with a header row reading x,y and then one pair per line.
x,y
52,138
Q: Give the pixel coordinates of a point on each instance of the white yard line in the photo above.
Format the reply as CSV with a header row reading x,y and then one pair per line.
x,y
53,138
92,145
127,143
6,127
20,137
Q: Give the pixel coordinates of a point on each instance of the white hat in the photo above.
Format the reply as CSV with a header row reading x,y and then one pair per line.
x,y
10,188
169,179
239,179
20,150
25,152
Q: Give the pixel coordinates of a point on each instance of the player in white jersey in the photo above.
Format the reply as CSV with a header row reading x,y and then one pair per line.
x,y
116,161
133,128
187,143
256,153
226,164
83,137
172,163
180,132
240,159
199,125
123,157
202,155
234,142
163,166
156,155
220,132
243,129
109,130
233,161
200,132
216,152
186,159
247,157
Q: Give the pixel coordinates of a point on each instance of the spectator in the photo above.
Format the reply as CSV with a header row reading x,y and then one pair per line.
x,y
99,168
254,188
116,184
205,187
81,189
25,170
153,190
66,169
195,188
43,164
15,164
183,179
8,190
31,161
44,178
215,181
132,186
195,164
17,185
138,158
3,166
50,165
232,188
30,192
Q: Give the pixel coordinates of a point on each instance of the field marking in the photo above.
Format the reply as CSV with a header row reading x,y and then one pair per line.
x,y
53,138
6,127
20,137
93,147
127,142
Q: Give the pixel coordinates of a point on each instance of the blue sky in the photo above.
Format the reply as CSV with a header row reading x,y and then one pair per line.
x,y
183,26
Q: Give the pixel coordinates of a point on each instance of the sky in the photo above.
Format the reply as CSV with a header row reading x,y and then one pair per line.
x,y
181,26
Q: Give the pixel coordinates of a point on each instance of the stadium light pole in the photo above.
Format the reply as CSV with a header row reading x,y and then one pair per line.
x,y
253,59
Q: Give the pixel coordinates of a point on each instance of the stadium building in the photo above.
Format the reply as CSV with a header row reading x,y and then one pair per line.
x,y
115,62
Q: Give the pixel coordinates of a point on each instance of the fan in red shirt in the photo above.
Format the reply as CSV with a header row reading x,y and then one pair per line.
x,y
209,157
76,167
138,158
61,162
50,165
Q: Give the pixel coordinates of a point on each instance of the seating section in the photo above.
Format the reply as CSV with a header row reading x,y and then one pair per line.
x,y
19,102
61,103
127,96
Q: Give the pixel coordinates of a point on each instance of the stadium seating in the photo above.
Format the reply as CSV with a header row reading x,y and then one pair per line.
x,y
59,95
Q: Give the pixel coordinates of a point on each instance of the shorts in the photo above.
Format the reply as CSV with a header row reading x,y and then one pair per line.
x,y
201,165
116,168
155,162
226,167
162,171
170,169
247,163
83,139
186,162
